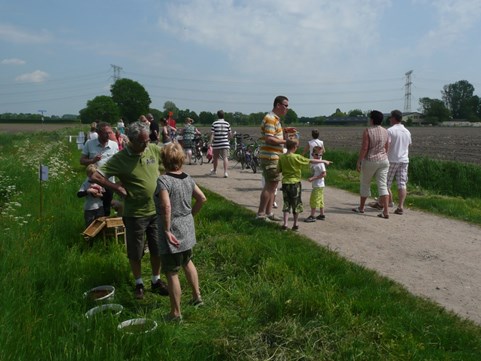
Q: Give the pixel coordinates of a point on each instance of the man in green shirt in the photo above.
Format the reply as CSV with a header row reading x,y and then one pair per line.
x,y
137,167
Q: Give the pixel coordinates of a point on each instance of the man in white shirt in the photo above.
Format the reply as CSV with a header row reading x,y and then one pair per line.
x,y
398,155
98,151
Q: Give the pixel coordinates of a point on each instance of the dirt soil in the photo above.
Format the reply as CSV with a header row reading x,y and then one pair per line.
x,y
433,257
459,144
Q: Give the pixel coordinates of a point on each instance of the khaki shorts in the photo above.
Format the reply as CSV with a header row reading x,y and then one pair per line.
x,y
270,171
223,153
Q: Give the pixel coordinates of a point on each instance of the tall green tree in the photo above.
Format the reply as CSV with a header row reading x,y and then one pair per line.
x,y
355,113
131,98
477,102
338,113
458,98
291,117
239,119
101,108
256,118
434,110
156,113
207,118
169,106
187,113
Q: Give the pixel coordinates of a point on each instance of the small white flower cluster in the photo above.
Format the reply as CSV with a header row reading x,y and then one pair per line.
x,y
8,206
53,154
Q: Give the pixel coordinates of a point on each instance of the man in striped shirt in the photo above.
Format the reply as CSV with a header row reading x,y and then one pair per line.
x,y
219,138
272,144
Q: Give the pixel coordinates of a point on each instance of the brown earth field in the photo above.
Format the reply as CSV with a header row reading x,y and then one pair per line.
x,y
461,144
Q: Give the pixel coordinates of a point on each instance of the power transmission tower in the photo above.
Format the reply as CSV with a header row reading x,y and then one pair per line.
x,y
117,70
407,92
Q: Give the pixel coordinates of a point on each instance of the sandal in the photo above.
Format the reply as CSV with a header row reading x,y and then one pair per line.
x,y
399,211
357,210
375,205
382,215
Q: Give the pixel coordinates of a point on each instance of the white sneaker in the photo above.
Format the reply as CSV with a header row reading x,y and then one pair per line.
x,y
225,175
273,217
212,172
263,218
275,205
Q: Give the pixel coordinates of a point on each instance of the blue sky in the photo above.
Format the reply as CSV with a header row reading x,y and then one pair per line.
x,y
237,55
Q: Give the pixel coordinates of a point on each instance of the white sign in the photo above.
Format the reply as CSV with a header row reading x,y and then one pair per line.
x,y
43,173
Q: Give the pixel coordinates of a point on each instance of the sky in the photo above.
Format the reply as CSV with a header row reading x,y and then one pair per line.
x,y
237,55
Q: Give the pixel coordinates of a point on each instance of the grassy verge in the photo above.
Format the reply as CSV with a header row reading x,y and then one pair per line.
x,y
445,188
269,295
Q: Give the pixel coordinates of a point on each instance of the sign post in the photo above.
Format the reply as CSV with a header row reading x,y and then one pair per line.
x,y
43,177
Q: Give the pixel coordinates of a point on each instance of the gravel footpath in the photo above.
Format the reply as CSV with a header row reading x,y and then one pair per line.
x,y
433,257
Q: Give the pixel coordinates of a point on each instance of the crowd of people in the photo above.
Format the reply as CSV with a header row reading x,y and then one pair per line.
x,y
143,163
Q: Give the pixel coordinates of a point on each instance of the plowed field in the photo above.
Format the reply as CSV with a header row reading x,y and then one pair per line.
x,y
461,144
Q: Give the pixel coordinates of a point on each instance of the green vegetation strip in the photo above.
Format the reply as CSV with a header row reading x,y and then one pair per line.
x,y
268,294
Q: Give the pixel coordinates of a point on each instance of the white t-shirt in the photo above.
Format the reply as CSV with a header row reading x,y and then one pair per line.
x,y
399,142
317,170
314,143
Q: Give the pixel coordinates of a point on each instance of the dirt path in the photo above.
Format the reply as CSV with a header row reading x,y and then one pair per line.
x,y
433,257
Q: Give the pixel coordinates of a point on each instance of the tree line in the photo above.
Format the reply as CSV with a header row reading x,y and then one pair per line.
x,y
458,103
129,99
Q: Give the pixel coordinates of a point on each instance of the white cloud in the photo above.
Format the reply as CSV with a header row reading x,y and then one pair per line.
x,y
455,18
14,34
277,35
13,61
37,76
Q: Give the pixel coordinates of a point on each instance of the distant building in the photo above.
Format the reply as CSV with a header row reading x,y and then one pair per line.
x,y
359,120
414,118
70,117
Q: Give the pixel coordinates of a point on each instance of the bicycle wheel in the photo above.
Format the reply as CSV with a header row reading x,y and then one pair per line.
x,y
242,159
254,166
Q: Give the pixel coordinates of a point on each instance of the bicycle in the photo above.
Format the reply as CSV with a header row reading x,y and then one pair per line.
x,y
197,154
251,155
240,150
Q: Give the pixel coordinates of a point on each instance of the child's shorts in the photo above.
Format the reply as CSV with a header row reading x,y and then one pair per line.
x,y
291,194
317,198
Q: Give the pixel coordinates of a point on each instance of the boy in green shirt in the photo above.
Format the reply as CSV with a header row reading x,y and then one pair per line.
x,y
290,165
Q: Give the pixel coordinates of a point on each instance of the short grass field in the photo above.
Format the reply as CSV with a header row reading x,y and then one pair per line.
x,y
269,295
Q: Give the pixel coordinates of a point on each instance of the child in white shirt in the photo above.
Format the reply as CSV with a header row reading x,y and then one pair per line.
x,y
317,180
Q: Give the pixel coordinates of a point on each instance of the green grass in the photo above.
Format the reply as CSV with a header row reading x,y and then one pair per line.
x,y
446,188
269,295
